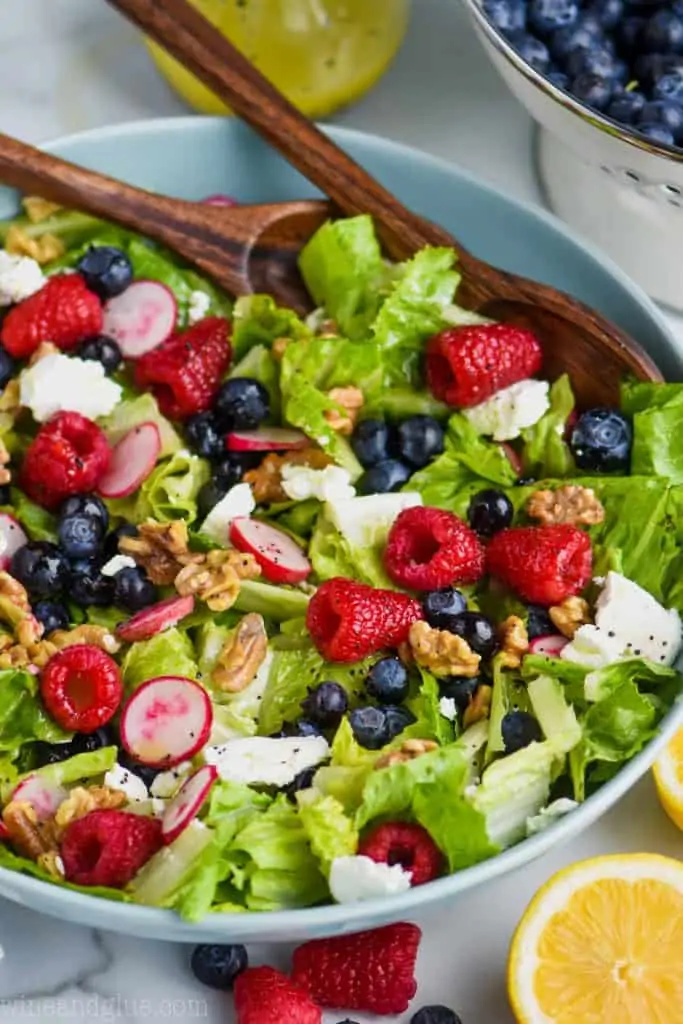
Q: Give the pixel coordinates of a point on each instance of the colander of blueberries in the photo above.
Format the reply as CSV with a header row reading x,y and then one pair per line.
x,y
603,80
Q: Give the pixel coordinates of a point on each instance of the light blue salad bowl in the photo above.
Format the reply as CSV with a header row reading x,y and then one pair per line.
x,y
193,158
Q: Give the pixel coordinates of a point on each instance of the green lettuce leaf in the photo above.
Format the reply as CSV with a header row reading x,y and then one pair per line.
x,y
72,227
413,311
509,694
141,409
257,321
545,452
276,603
38,522
350,765
23,718
554,713
79,767
169,653
331,833
648,676
657,411
156,264
24,866
513,789
391,791
429,723
333,555
169,492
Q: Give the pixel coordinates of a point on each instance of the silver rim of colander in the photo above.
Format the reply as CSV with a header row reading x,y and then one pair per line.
x,y
592,117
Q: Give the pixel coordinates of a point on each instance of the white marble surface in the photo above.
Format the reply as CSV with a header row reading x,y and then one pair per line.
x,y
67,65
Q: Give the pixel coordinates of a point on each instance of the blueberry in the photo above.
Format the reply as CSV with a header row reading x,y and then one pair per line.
x,y
539,622
439,606
601,441
669,87
234,465
104,350
205,435
302,727
626,109
87,743
304,780
460,689
7,367
87,585
665,113
663,33
107,271
133,590
242,404
608,12
506,15
649,68
435,1015
370,727
658,133
326,704
519,729
42,568
80,536
52,615
629,33
559,79
111,541
388,475
420,439
387,681
477,630
594,91
545,16
370,442
87,505
489,511
584,35
50,753
596,61
210,494
532,50
218,966
397,719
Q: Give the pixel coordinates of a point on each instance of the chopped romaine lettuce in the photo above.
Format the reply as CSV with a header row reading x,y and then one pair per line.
x,y
421,291
258,320
555,715
169,492
390,792
509,694
169,653
272,602
23,718
38,522
79,767
546,452
350,765
513,789
141,409
429,723
331,833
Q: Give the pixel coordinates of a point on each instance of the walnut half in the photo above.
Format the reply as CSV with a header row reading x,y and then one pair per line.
x,y
569,504
242,655
159,548
216,577
350,401
408,751
27,835
514,641
443,653
568,616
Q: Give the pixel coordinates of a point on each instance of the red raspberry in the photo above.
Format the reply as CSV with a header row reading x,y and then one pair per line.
x,y
411,846
543,564
184,372
466,365
264,996
372,972
68,455
108,847
429,548
64,312
81,687
349,620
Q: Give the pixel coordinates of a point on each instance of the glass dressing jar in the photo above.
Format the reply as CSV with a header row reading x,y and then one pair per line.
x,y
322,54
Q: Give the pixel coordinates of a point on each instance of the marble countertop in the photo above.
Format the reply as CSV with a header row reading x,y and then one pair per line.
x,y
66,65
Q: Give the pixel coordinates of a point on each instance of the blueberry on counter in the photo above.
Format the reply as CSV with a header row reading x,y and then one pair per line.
x,y
104,350
439,606
601,441
419,440
107,271
477,630
489,511
387,681
326,704
218,966
205,436
519,729
133,590
386,476
8,367
435,1015
242,403
370,442
52,616
42,568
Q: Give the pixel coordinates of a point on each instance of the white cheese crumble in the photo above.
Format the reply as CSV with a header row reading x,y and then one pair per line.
x,y
504,415
61,383
357,879
448,708
592,647
366,520
239,501
116,564
126,782
198,306
20,277
549,815
259,760
632,616
329,484
165,784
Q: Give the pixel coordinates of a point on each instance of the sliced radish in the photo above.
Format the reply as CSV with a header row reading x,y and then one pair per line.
x,y
187,801
131,462
12,537
513,458
166,721
551,644
140,318
281,558
154,619
43,796
220,200
266,439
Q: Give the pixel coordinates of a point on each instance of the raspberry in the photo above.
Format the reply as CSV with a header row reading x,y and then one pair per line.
x,y
64,312
373,971
68,456
411,846
264,995
108,847
429,548
543,564
81,687
466,365
349,620
184,373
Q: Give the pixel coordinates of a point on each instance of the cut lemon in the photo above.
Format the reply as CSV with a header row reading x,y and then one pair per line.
x,y
668,773
601,944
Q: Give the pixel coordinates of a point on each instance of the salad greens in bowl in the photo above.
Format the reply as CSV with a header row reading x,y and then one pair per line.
x,y
306,623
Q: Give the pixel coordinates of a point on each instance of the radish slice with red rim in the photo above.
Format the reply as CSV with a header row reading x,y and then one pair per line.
x,y
131,462
165,721
266,439
513,458
551,644
155,619
187,802
281,558
141,318
43,796
12,537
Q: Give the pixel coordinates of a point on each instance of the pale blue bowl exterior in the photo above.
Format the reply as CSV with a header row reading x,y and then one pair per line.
x,y
195,157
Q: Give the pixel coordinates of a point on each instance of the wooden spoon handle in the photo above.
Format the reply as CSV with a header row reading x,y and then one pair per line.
x,y
193,40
